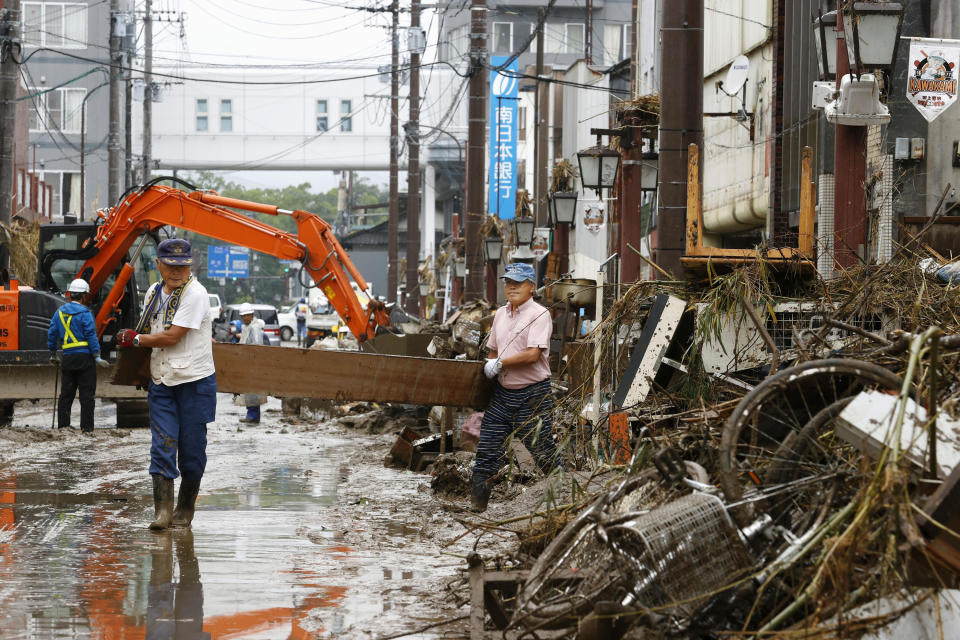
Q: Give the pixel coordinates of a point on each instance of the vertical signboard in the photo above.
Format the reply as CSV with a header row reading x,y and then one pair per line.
x,y
932,75
502,176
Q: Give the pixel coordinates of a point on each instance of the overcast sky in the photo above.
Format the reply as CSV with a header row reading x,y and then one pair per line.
x,y
278,32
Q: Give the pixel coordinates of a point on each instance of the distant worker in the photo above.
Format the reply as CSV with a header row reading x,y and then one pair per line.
x,y
252,333
301,311
518,345
183,390
74,332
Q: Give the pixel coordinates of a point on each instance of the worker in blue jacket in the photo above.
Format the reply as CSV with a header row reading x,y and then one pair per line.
x,y
73,344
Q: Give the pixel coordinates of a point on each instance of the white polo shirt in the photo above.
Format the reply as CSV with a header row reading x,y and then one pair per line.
x,y
191,358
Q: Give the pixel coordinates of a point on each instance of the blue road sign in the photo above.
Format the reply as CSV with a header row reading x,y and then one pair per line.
x,y
227,262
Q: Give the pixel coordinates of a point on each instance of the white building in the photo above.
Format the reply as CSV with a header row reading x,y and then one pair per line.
x,y
260,119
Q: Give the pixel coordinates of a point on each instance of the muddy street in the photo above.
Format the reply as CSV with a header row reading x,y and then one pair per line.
x,y
301,532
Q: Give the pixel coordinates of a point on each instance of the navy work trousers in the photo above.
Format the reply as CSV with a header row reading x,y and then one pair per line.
x,y
178,422
79,374
524,412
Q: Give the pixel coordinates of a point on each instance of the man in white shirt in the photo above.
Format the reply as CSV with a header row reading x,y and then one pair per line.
x,y
183,390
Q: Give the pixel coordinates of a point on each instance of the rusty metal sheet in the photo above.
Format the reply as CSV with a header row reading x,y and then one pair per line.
x,y
338,375
37,381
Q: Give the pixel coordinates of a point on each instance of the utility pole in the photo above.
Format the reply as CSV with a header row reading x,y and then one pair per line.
x,y
850,169
114,143
147,91
476,145
9,80
393,225
127,127
681,123
412,293
588,34
541,108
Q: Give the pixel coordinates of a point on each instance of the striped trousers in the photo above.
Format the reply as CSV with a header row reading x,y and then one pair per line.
x,y
526,413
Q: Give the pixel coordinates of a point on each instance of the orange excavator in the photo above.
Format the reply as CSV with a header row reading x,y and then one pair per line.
x,y
102,251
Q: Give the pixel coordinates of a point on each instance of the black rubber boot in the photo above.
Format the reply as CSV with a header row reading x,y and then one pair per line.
x,y
186,502
480,495
162,502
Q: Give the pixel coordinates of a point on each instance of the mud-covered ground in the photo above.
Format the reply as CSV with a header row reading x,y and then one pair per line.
x,y
301,532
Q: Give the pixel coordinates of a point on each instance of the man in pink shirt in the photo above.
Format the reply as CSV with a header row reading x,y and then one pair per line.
x,y
518,345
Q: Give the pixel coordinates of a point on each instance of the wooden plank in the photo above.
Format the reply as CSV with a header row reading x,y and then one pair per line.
x,y
477,603
694,201
339,375
808,199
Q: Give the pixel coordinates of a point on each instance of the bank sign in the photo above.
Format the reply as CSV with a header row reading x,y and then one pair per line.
x,y
932,75
502,176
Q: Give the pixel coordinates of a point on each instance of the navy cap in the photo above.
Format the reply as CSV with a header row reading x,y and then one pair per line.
x,y
175,252
520,272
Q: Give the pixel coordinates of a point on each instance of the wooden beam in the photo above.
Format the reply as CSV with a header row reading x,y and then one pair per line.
x,y
336,375
808,198
694,202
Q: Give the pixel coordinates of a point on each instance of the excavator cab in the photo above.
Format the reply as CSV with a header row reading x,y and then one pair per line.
x,y
63,249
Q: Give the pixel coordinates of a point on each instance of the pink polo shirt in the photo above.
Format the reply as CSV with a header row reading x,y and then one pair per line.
x,y
516,330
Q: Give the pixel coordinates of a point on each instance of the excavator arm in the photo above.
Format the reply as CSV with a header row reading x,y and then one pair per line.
x,y
209,214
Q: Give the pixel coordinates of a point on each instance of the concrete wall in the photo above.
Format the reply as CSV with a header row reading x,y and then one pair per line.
x,y
583,109
55,151
944,132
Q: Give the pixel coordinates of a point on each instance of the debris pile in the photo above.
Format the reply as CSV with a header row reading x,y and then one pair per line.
x,y
755,460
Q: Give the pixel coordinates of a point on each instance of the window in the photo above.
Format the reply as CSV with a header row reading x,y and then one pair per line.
x,y
502,38
346,122
562,38
56,109
65,191
322,122
574,38
616,43
201,114
226,115
55,24
458,43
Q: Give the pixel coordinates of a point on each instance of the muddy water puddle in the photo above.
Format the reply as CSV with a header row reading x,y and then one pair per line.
x,y
286,543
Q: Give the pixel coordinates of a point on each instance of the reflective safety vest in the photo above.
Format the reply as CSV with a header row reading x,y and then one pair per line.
x,y
69,340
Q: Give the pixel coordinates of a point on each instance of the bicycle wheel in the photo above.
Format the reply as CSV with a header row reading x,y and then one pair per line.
x,y
777,447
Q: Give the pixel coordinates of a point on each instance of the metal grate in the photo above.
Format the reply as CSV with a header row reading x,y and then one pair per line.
x,y
678,552
792,318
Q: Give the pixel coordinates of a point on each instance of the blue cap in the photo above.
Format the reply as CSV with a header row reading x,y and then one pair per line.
x,y
175,252
520,272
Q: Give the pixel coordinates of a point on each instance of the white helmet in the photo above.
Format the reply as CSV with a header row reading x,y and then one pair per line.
x,y
79,286
246,309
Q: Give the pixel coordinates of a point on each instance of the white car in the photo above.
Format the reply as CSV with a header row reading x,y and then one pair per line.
x,y
287,319
215,307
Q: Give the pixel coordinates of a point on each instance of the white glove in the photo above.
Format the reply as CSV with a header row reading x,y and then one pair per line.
x,y
492,367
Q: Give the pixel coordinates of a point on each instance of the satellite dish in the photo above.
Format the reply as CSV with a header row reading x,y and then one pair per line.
x,y
736,75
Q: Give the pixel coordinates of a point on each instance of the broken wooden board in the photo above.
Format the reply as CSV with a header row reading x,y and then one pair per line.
x,y
337,375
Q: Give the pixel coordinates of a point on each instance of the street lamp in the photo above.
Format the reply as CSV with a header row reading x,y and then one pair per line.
x,y
872,32
523,230
493,248
424,288
825,33
598,167
563,207
460,268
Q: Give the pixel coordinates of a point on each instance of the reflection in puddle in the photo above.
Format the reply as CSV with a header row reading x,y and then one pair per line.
x,y
82,564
